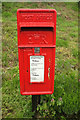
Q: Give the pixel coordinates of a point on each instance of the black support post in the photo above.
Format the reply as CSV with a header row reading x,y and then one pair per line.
x,y
35,102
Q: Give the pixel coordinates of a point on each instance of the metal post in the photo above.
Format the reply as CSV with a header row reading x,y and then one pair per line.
x,y
35,102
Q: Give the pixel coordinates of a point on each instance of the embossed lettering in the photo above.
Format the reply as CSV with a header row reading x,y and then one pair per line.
x,y
38,17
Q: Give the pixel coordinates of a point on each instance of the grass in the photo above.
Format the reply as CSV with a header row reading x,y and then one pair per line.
x,y
15,105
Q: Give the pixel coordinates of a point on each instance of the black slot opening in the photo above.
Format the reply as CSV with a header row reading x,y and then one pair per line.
x,y
36,28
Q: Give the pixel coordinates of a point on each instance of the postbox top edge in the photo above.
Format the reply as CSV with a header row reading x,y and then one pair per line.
x,y
36,10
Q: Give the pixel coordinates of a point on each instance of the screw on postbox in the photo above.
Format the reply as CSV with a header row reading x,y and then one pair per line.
x,y
36,50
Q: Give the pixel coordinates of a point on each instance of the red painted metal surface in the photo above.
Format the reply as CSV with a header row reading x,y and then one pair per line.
x,y
36,28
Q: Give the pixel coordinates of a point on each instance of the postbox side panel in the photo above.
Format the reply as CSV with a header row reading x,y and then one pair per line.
x,y
21,70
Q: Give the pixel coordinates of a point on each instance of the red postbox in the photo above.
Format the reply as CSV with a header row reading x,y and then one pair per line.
x,y
36,50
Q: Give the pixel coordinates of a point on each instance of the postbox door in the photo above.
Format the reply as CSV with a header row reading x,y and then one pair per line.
x,y
46,85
